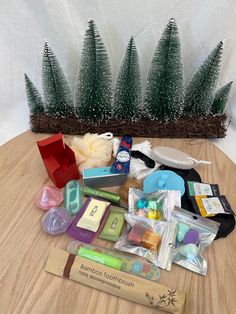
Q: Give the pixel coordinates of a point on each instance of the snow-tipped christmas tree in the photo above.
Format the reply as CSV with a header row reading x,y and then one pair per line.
x,y
93,86
128,90
199,93
164,91
57,94
221,99
34,99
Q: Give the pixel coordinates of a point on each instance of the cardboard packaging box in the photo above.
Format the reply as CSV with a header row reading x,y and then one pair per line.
x,y
114,281
59,160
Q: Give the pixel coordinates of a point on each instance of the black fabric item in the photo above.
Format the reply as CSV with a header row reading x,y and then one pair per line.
x,y
227,224
147,160
227,221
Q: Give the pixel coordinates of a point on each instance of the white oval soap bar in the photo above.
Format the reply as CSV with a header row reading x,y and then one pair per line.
x,y
172,157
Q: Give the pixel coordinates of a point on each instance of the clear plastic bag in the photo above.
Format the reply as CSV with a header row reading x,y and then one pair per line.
x,y
149,239
194,235
157,205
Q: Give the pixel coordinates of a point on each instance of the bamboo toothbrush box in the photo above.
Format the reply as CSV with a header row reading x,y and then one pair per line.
x,y
102,177
115,282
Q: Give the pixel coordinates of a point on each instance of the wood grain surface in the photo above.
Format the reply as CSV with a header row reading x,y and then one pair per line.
x,y
26,288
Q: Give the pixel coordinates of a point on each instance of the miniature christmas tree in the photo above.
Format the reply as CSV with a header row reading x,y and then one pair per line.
x,y
57,94
221,99
127,95
164,91
34,99
199,93
93,86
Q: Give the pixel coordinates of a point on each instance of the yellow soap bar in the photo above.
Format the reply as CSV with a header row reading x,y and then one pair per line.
x,y
93,215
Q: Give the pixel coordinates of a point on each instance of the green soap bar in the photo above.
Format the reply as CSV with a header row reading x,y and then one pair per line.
x,y
117,209
113,226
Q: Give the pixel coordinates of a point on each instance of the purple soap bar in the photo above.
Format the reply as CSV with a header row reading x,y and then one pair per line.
x,y
85,235
192,236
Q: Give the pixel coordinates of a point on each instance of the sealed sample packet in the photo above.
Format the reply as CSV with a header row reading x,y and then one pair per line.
x,y
194,235
149,239
156,205
197,188
209,206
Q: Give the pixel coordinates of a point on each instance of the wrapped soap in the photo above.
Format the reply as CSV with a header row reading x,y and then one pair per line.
x,y
194,235
93,215
94,219
114,224
149,239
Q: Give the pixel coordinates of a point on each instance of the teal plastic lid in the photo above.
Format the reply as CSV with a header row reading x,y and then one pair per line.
x,y
163,180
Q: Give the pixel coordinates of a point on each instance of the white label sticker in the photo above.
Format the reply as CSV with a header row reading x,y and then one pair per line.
x,y
202,189
123,156
212,206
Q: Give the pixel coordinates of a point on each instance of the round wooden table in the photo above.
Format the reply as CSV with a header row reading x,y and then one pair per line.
x,y
26,288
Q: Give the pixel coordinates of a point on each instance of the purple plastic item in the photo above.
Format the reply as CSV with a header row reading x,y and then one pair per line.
x,y
56,220
83,234
192,236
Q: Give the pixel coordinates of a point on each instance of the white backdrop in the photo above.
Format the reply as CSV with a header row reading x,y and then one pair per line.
x,y
25,24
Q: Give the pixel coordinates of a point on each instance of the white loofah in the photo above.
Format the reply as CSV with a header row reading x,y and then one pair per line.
x,y
91,151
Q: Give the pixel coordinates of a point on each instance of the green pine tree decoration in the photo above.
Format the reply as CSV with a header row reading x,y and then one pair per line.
x,y
93,86
127,95
199,93
57,94
221,99
164,91
34,99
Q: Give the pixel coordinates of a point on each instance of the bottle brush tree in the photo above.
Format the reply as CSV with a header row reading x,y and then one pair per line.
x,y
221,99
164,91
57,94
93,85
34,99
128,90
199,93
